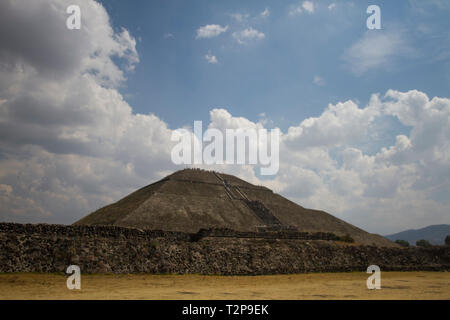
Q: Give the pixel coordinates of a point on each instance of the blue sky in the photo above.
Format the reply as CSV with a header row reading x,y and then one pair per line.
x,y
273,75
87,115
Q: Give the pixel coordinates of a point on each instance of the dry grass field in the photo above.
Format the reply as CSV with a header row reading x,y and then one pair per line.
x,y
395,285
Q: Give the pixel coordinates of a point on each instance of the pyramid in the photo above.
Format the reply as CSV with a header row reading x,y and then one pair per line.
x,y
193,199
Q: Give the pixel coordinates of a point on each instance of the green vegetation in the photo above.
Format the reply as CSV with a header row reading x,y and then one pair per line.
x,y
403,243
347,238
447,240
154,244
423,243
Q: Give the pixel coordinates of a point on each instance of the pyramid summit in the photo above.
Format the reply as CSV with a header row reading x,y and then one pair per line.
x,y
193,199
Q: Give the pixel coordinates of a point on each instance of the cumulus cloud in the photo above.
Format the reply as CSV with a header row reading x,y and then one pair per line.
x,y
26,43
211,58
210,31
265,13
376,50
246,35
240,17
295,10
307,6
338,125
68,139
389,188
245,17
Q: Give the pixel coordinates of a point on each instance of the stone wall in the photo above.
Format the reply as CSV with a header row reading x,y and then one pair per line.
x,y
284,234
100,249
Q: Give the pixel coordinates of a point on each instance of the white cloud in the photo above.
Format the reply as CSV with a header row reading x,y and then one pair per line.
x,y
265,13
338,125
245,17
386,191
332,6
247,35
26,43
210,31
307,6
376,50
240,17
211,58
69,141
295,10
318,81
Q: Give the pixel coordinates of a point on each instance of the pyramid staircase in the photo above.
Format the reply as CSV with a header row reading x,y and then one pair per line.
x,y
270,222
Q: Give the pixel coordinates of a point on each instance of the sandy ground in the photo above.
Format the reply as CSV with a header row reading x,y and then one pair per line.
x,y
395,285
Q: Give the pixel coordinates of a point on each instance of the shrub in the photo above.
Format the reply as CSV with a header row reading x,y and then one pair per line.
x,y
447,240
154,244
423,243
347,238
403,243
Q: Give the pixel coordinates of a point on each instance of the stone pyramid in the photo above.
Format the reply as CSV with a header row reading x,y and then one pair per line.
x,y
192,199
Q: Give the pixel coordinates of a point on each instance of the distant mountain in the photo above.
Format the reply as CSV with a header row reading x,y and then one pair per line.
x,y
434,234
